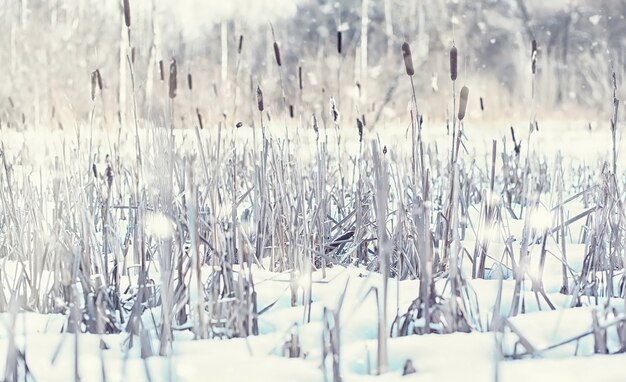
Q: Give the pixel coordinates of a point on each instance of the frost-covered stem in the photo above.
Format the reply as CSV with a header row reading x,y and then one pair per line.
x,y
196,297
381,200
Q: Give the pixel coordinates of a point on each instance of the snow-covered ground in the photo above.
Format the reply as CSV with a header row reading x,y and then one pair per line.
x,y
50,353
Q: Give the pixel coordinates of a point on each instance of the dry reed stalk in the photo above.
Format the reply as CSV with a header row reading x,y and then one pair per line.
x,y
384,250
614,124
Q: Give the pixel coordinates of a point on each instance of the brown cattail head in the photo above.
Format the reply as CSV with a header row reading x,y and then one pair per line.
x,y
463,102
300,77
199,119
259,98
359,127
453,63
334,113
108,172
291,111
316,128
93,85
408,59
339,42
132,54
240,45
99,79
127,13
173,80
161,74
533,56
279,62
189,81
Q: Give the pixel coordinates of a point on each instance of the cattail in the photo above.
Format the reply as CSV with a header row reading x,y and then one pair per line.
x,y
482,105
173,81
189,81
93,85
132,55
453,63
363,119
99,79
240,45
300,77
463,102
339,35
385,150
408,59
108,172
291,113
359,127
161,74
279,62
533,56
199,119
259,98
316,128
334,113
126,13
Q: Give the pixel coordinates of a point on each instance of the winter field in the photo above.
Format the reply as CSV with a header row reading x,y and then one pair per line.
x,y
201,216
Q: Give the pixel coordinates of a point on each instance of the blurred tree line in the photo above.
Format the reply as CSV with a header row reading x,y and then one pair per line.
x,y
50,48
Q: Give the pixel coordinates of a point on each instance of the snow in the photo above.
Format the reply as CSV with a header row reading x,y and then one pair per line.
x,y
445,357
